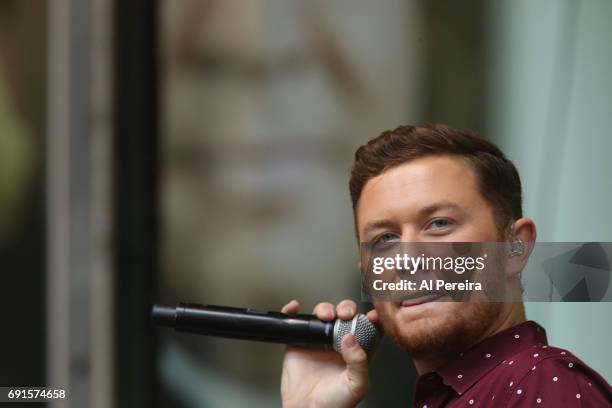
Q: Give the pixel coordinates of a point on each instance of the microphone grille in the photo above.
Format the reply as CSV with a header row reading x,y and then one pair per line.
x,y
363,330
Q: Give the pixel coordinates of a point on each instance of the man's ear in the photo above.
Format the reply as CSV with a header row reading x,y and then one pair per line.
x,y
525,230
522,240
359,266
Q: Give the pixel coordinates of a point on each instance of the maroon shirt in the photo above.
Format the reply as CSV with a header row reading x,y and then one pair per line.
x,y
514,368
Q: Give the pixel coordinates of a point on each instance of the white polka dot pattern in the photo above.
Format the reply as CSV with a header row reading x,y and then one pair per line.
x,y
535,374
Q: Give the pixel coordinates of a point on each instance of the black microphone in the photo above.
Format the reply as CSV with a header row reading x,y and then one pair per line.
x,y
236,323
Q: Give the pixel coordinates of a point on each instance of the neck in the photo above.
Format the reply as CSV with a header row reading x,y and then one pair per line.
x,y
510,315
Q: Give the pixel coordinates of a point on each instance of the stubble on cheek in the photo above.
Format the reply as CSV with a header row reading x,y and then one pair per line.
x,y
450,327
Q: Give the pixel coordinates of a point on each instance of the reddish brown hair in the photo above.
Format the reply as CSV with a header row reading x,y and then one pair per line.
x,y
497,179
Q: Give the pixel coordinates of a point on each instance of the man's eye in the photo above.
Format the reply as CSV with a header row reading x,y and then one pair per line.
x,y
439,224
386,238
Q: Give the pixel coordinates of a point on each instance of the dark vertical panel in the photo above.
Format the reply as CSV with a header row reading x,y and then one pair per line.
x,y
23,296
135,195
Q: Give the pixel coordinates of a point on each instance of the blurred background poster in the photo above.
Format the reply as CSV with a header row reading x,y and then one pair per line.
x,y
199,150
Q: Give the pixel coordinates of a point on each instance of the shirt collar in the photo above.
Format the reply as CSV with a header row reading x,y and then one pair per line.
x,y
470,366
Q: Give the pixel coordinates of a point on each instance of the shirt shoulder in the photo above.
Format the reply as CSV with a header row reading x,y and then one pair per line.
x,y
552,377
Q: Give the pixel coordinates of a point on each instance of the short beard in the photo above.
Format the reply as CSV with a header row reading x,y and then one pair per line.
x,y
454,334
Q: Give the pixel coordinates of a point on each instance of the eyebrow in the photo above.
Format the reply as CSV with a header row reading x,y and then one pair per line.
x,y
422,213
377,225
442,205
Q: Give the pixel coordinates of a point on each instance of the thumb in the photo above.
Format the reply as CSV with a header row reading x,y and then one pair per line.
x,y
356,361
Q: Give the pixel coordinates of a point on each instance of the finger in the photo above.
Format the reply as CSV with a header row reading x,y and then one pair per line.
x,y
324,311
356,361
346,309
372,316
291,307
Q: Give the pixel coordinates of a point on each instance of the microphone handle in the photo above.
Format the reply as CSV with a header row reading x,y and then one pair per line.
x,y
237,323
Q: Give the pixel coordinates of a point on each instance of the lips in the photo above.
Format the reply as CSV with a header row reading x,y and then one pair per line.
x,y
420,298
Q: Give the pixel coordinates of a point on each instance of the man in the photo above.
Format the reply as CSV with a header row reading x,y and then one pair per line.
x,y
435,184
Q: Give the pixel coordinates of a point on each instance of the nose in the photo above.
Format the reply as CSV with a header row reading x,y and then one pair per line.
x,y
409,234
411,242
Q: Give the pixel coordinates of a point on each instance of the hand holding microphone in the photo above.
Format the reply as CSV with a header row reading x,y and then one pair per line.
x,y
325,363
316,378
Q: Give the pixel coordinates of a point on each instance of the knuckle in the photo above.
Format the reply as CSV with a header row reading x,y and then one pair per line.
x,y
347,303
324,308
347,308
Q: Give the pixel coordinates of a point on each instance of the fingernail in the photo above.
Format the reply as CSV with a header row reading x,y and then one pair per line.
x,y
350,341
346,310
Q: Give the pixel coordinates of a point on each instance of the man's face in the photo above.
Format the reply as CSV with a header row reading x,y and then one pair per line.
x,y
431,199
